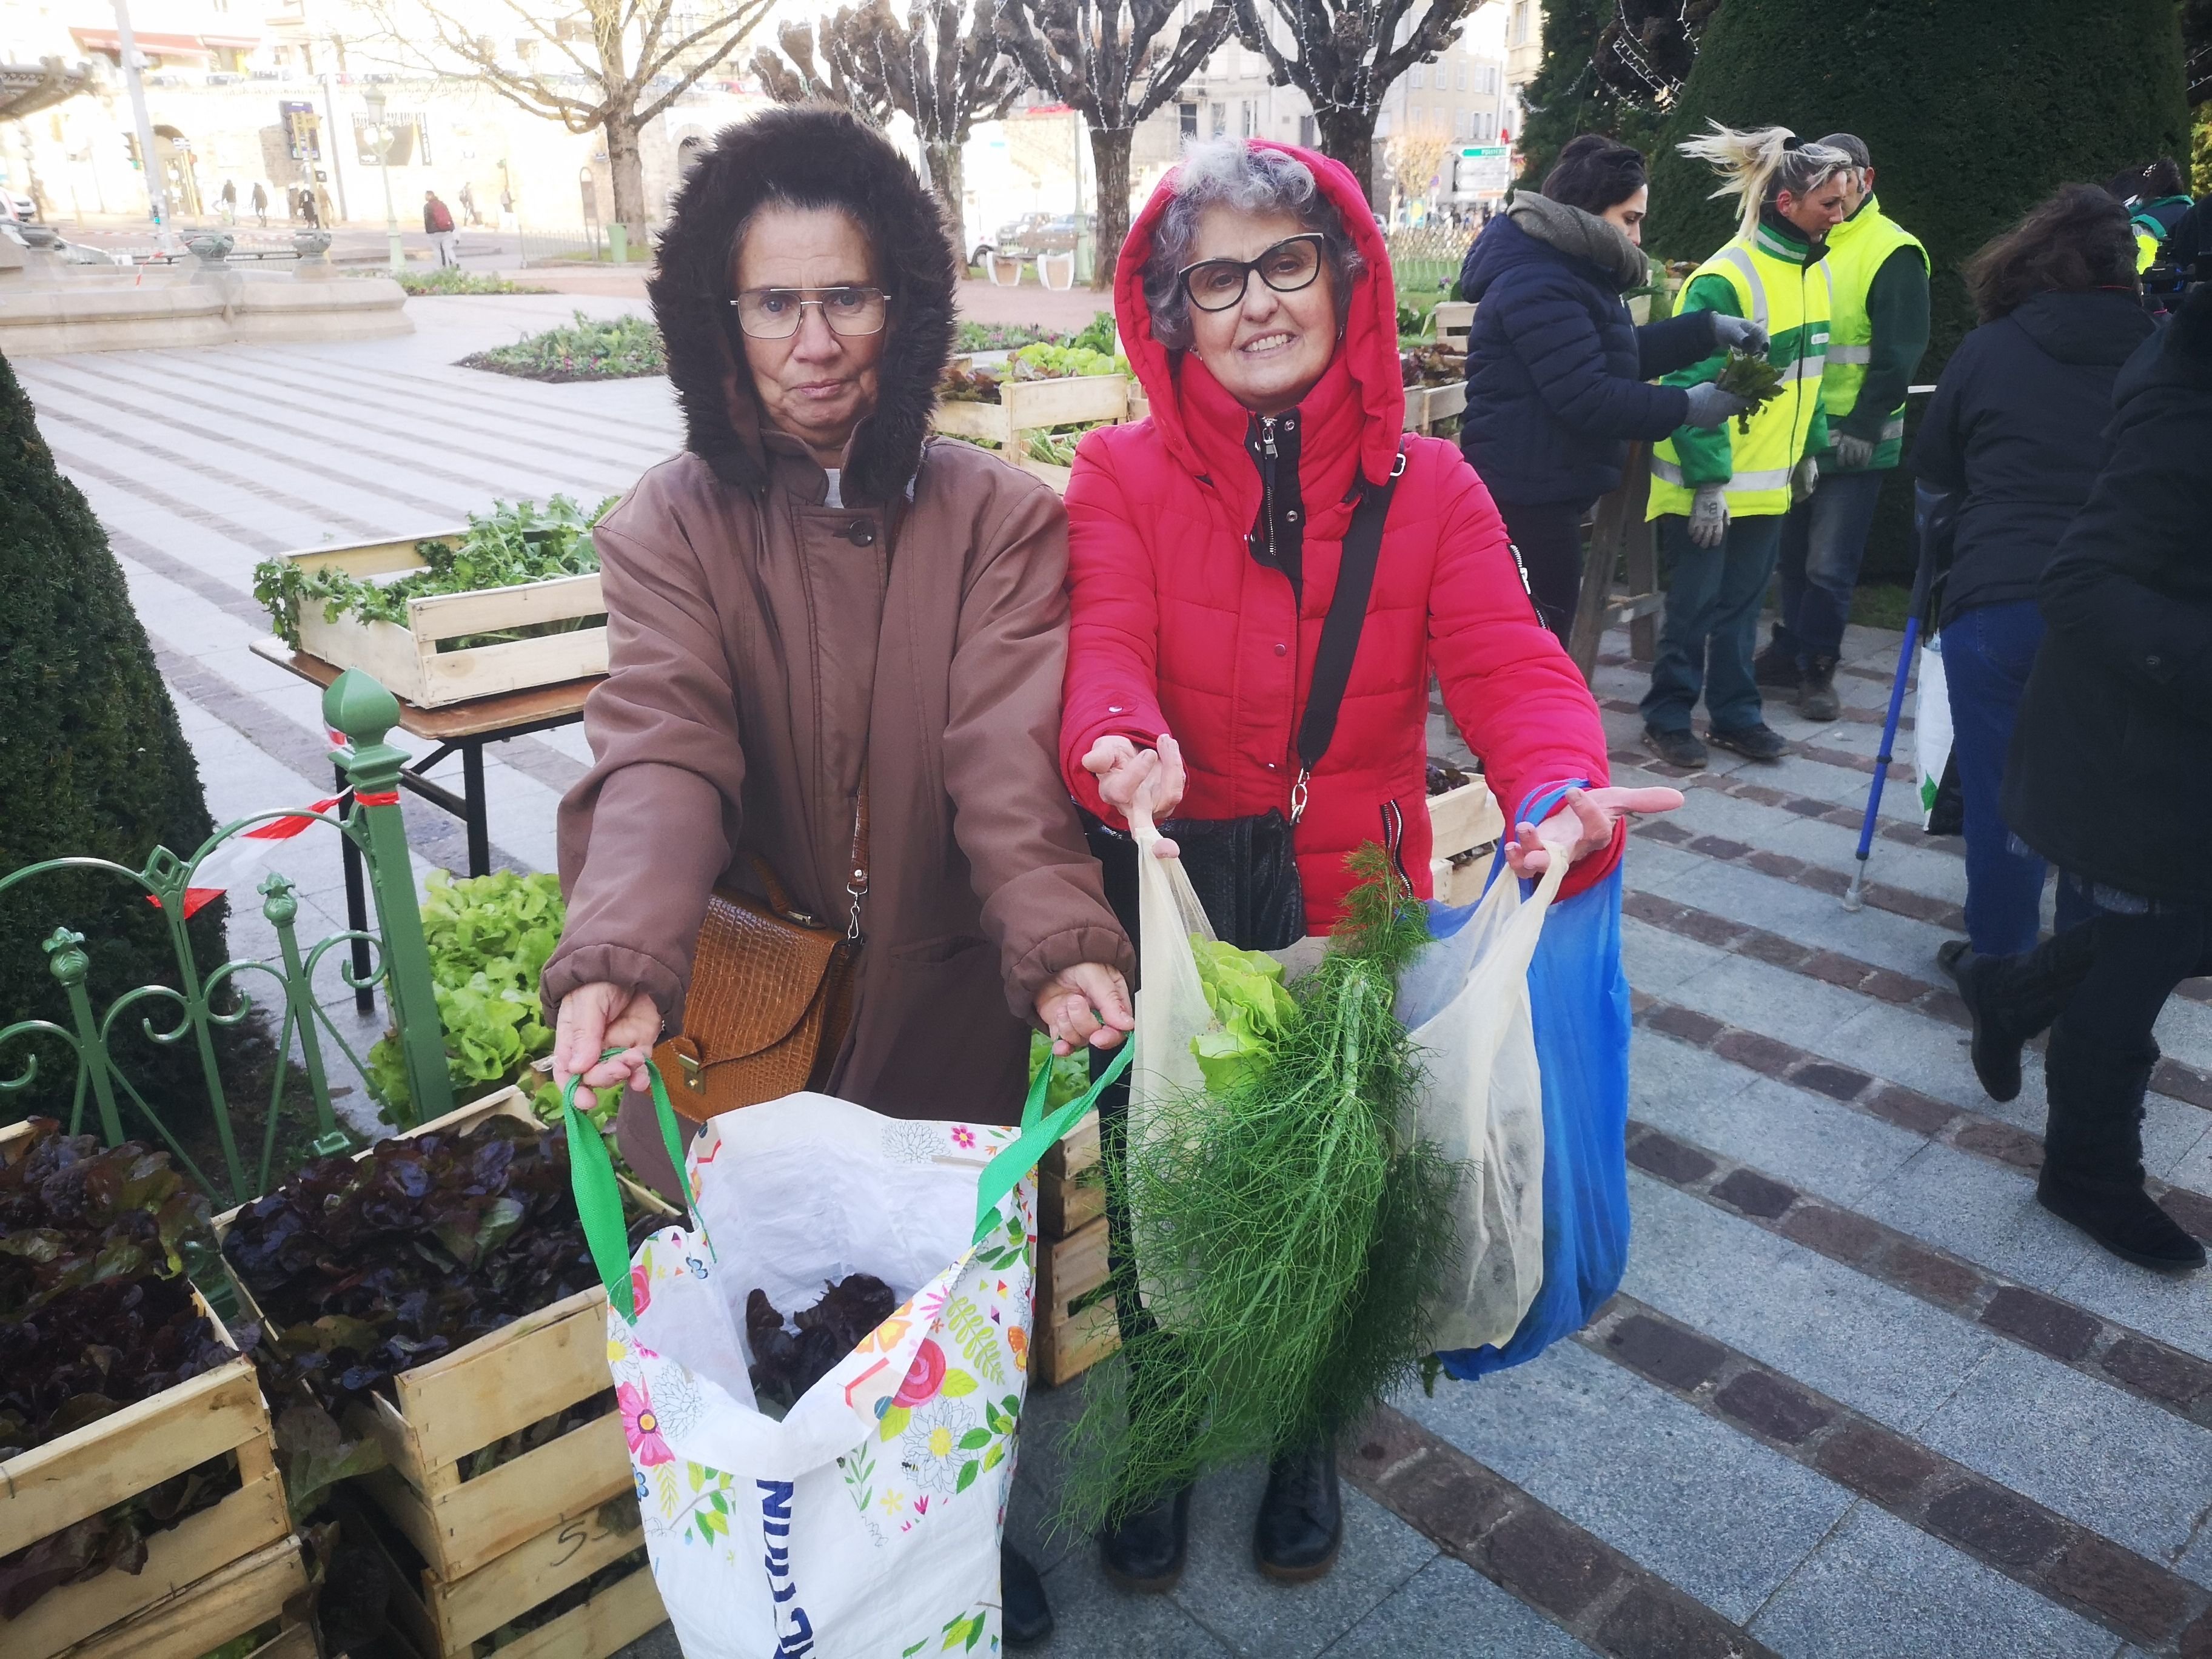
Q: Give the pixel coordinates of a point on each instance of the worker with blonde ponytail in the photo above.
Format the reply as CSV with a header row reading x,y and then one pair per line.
x,y
1721,497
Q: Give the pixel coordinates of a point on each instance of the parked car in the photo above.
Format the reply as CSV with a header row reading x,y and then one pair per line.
x,y
19,207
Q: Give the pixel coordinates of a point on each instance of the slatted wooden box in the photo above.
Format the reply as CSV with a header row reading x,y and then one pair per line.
x,y
443,1619
1426,405
213,1577
498,1385
406,659
1070,1261
1025,405
1461,820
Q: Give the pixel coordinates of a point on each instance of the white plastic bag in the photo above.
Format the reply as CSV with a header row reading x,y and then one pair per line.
x,y
1931,726
866,1524
1465,1004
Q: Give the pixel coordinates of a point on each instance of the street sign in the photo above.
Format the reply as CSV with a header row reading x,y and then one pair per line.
x,y
1482,170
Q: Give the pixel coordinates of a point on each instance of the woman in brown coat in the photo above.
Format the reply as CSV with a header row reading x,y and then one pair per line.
x,y
815,591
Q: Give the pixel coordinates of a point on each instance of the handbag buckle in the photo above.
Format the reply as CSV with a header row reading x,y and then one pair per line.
x,y
1298,791
688,1062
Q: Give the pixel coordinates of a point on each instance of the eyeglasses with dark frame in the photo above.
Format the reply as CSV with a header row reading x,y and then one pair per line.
x,y
1216,284
775,313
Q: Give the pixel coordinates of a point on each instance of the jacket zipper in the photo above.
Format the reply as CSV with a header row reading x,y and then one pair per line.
x,y
1268,483
1267,510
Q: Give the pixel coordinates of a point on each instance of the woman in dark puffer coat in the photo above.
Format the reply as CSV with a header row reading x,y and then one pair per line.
x,y
2107,778
1555,368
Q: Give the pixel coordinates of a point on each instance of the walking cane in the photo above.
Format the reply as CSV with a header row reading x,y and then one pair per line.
x,y
1852,894
1933,518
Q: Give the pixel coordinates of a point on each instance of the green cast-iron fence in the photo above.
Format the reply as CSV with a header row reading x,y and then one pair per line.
x,y
205,1002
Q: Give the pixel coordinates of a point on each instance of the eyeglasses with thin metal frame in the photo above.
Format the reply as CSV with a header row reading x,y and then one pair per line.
x,y
775,313
1290,265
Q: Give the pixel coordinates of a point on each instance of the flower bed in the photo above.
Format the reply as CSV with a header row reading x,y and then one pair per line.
x,y
589,348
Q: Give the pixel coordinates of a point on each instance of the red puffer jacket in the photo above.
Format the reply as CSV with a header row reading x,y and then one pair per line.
x,y
1178,627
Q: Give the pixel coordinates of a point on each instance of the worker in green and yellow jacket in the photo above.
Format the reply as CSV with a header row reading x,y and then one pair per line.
x,y
1720,498
2156,197
1877,334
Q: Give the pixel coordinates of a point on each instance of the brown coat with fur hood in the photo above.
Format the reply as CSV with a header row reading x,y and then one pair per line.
x,y
764,644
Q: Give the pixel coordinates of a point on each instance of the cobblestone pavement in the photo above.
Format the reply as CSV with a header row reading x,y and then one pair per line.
x,y
1859,1396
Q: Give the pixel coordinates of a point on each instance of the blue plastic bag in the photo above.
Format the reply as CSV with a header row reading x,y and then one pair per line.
x,y
1579,1008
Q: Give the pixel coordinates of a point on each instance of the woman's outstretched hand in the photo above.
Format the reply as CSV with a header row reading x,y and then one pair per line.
x,y
598,1017
1085,1006
1583,825
1130,778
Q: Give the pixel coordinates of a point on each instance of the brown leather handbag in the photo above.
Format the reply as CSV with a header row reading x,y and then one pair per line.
x,y
771,994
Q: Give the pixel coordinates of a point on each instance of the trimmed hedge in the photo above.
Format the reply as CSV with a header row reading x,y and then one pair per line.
x,y
92,761
1974,111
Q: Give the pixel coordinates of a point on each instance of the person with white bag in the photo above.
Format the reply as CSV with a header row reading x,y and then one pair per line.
x,y
1264,573
835,648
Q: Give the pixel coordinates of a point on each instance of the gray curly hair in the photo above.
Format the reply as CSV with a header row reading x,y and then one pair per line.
x,y
1231,172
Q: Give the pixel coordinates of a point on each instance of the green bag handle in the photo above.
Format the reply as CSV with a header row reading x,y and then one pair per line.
x,y
599,1195
1039,1134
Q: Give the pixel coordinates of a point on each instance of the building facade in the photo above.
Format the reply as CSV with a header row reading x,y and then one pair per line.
x,y
274,92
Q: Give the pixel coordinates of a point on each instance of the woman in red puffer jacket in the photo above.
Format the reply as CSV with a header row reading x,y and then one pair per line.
x,y
1254,301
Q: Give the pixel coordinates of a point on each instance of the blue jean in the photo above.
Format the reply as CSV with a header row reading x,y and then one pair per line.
x,y
1711,624
1987,651
1823,543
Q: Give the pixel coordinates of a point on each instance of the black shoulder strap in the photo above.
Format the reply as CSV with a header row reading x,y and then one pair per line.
x,y
1339,632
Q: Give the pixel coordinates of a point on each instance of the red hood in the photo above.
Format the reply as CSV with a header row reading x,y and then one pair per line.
x,y
1368,351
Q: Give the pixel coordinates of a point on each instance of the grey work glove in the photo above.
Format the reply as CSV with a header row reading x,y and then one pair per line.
x,y
1711,407
1805,480
1737,333
1708,515
1853,453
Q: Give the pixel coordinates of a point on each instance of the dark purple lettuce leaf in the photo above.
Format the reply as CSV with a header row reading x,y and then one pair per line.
x,y
96,1315
368,1267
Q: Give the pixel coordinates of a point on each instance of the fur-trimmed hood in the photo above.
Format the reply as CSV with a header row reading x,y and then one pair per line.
x,y
817,156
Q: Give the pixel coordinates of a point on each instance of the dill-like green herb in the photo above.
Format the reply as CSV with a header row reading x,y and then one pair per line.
x,y
1291,1228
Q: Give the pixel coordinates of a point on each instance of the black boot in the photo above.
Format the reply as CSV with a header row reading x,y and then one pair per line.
x,y
2092,1173
1816,692
1025,1615
1776,664
1145,1553
2013,999
1301,1525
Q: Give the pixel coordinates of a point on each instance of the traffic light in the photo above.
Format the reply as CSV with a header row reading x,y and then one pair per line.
x,y
131,148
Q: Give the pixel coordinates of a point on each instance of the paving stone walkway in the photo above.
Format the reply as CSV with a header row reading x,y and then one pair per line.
x,y
1859,1397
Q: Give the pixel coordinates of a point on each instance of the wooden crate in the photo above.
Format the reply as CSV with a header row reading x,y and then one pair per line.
x,y
443,1619
1460,821
1451,321
496,1386
1426,405
1065,1343
1066,1201
62,1482
1024,405
234,1601
406,659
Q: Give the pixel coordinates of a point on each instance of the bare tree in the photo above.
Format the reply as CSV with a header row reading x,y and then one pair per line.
x,y
793,78
1417,160
1104,58
608,65
1344,54
942,77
